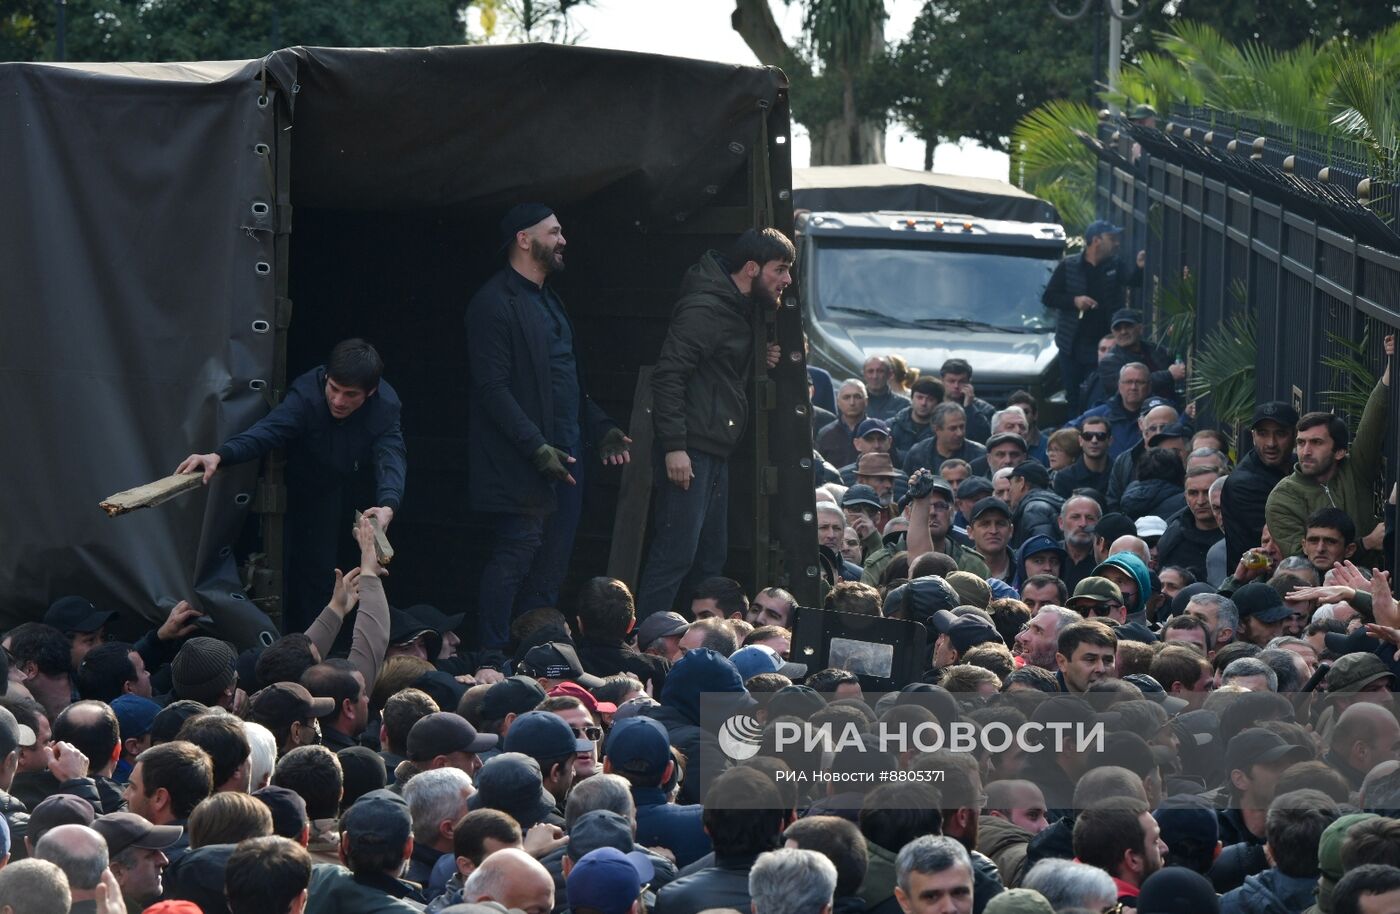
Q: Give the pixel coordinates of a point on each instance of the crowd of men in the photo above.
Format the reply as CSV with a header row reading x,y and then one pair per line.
x,y
1223,625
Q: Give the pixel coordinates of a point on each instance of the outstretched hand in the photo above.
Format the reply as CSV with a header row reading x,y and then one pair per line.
x,y
179,623
200,463
369,559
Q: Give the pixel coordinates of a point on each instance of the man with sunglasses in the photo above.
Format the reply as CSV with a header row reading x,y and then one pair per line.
x,y
1091,470
1099,599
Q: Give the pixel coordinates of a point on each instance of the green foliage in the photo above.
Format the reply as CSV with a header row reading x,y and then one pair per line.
x,y
1051,161
1223,370
1275,24
1351,372
1176,314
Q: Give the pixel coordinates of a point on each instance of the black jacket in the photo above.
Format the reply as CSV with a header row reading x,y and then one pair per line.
x,y
604,658
1185,544
700,747
979,420
699,388
986,881
1079,476
1037,513
1242,503
1104,283
104,794
511,403
886,405
323,450
924,455
1121,474
907,433
1152,497
724,885
1157,360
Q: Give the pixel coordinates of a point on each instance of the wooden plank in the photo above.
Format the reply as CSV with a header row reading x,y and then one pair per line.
x,y
152,493
382,550
634,495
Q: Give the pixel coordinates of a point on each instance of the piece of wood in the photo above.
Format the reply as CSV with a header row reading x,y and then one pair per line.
x,y
382,550
152,493
634,498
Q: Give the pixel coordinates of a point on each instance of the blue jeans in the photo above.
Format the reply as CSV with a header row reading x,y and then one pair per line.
x,y
690,533
529,559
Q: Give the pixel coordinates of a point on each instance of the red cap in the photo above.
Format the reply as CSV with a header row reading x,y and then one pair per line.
x,y
574,690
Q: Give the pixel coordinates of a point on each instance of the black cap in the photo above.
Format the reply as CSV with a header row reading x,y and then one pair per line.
x,y
1353,642
1113,525
1126,316
1033,472
920,598
1174,430
1262,602
435,618
974,487
1184,595
989,504
55,810
1135,631
965,631
520,217
1003,437
1257,746
288,810
127,829
404,627
75,614
444,732
557,660
379,818
1275,411
512,695
284,703
861,495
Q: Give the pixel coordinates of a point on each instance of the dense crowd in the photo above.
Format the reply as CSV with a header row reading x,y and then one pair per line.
x,y
1222,626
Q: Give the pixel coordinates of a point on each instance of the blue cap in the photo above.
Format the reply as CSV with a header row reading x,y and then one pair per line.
x,y
870,427
543,735
608,880
135,714
639,746
1100,227
760,658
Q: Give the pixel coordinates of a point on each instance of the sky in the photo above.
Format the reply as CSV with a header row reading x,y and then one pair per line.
x,y
700,29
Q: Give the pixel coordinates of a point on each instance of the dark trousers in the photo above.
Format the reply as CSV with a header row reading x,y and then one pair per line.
x,y
315,526
690,533
1075,366
529,558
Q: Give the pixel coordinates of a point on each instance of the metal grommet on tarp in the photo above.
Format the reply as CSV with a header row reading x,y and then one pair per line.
x,y
260,208
257,384
236,595
260,326
737,148
262,268
262,149
242,498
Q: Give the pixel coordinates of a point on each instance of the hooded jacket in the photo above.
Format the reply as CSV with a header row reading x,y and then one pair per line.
x,y
1185,544
1270,892
1134,566
1037,514
1351,488
1242,502
699,671
1005,843
1037,543
1152,498
698,387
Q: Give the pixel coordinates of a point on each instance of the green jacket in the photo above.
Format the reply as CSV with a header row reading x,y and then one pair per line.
x,y
967,560
879,875
1352,488
699,387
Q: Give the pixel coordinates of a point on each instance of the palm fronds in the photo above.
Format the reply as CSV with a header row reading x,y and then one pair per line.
x,y
1351,367
1051,161
1223,370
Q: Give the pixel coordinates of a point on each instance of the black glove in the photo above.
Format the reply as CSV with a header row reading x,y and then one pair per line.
x,y
613,444
550,461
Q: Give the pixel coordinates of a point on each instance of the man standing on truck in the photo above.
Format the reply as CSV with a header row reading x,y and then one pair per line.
x,y
1086,289
531,421
700,406
334,418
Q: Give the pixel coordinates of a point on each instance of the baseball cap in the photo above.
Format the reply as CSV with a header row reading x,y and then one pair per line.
x,y
76,614
1100,227
871,427
204,668
607,880
971,589
435,618
1173,430
1126,316
1033,472
1329,855
1354,672
861,495
283,703
520,217
760,658
13,734
288,810
1262,602
639,746
975,487
512,695
404,628
601,828
1152,403
512,783
1275,411
380,818
444,732
1137,631
1257,746
126,829
135,714
55,810
1095,590
574,690
557,660
1188,817
540,735
920,598
662,625
1150,688
876,464
991,503
1003,437
1019,901
966,631
1150,526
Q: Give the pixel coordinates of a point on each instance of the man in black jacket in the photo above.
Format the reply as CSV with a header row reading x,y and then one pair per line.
x,y
700,406
1086,289
1036,506
1129,346
1193,530
531,422
334,419
1247,488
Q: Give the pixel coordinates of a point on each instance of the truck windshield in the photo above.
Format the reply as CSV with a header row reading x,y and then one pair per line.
x,y
994,289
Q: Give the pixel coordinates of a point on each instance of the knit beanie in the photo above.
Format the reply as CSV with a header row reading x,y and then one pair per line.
x,y
203,669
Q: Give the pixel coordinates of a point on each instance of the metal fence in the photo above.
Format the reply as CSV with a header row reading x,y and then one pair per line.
x,y
1263,230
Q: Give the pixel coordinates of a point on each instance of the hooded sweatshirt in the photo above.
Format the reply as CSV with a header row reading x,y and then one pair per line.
x,y
1130,563
699,671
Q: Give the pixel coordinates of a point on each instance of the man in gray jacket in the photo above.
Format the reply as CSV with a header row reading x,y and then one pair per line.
x,y
700,406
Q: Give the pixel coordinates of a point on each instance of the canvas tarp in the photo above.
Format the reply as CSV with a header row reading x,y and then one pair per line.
x,y
131,251
871,188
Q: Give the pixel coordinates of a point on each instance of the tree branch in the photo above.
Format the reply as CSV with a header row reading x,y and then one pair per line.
x,y
753,20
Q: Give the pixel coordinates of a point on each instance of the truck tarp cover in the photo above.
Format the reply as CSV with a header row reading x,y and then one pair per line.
x,y
871,188
135,262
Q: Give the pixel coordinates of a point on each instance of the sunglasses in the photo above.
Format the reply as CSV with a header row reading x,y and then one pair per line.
x,y
593,733
1094,436
1103,609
